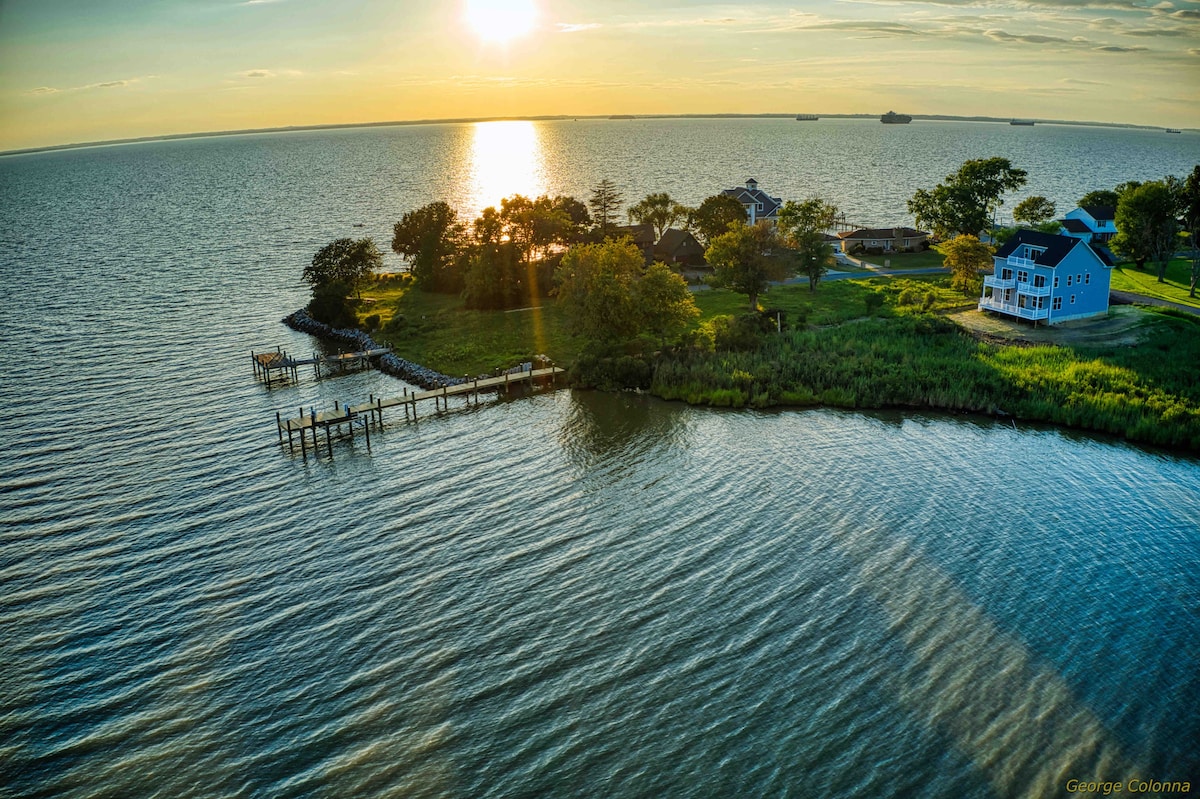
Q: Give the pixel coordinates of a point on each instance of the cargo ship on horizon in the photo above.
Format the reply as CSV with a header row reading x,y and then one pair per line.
x,y
892,118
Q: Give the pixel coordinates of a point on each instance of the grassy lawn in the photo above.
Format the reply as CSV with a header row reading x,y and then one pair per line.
x,y
435,330
1128,277
904,260
839,300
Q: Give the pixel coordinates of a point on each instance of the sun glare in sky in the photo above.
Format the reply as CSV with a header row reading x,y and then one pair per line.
x,y
501,20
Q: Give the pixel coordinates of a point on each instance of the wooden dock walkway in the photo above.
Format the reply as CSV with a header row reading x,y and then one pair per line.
x,y
366,414
279,365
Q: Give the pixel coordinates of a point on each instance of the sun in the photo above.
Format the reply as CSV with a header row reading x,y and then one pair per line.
x,y
501,20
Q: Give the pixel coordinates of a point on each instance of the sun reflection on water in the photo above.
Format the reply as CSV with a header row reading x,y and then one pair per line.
x,y
506,159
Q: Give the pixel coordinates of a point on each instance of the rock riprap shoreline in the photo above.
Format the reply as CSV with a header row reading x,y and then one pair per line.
x,y
390,363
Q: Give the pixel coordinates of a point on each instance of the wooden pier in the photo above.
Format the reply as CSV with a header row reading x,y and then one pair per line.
x,y
369,413
279,365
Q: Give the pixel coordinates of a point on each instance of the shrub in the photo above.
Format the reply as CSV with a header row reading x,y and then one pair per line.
x,y
874,302
372,322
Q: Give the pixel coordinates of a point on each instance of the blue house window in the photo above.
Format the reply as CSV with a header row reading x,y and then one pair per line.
x,y
1056,281
1087,279
1058,303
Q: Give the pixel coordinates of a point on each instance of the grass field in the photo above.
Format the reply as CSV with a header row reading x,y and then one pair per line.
x,y
1128,277
436,331
904,260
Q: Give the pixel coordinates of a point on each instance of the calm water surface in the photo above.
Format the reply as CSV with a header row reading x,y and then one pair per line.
x,y
565,595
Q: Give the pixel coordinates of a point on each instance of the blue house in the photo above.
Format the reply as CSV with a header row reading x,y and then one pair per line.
x,y
1047,278
1095,224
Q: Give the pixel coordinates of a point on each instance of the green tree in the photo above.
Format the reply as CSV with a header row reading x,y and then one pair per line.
x,y
1146,225
714,216
1188,201
1102,197
577,212
595,286
605,204
430,238
329,304
659,211
746,259
964,203
1034,210
667,307
803,224
348,261
967,258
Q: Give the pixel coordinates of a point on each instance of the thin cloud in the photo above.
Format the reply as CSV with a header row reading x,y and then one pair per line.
x,y
1194,51
1150,32
1029,38
108,84
1112,48
575,27
885,28
261,74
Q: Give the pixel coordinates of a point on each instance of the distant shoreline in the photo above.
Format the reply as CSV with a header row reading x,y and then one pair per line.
x,y
543,118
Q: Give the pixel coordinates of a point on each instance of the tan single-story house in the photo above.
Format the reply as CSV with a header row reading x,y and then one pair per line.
x,y
888,239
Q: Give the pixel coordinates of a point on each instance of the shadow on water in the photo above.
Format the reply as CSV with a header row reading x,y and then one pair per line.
x,y
604,431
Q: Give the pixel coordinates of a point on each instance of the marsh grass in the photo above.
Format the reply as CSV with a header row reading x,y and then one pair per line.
x,y
1148,393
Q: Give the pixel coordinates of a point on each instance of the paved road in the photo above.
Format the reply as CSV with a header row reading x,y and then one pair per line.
x,y
1129,298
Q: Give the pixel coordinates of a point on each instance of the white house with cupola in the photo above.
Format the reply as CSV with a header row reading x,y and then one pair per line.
x,y
760,206
1047,278
1095,224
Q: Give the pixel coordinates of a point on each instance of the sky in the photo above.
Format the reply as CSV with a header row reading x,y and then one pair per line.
x,y
76,71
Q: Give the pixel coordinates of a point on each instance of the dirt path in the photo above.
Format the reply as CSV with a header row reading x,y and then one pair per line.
x,y
1123,326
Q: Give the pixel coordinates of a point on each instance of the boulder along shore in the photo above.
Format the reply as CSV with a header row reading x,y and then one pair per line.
x,y
390,363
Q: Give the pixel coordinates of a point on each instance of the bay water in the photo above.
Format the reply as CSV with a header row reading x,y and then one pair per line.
x,y
569,594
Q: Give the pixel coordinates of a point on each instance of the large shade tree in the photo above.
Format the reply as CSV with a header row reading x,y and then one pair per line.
x,y
963,204
659,211
967,258
803,225
1034,210
746,259
1147,229
347,261
431,239
1187,199
1100,197
595,287
665,304
714,216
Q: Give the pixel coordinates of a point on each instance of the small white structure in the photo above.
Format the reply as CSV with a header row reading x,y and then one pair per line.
x,y
1048,278
760,206
1095,224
